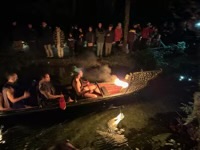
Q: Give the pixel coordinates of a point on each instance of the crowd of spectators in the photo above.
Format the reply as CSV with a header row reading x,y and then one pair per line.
x,y
101,40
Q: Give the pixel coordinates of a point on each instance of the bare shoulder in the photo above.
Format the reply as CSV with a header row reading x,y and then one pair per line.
x,y
76,80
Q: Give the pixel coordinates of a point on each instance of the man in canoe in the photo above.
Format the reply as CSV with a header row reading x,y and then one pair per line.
x,y
47,90
83,88
10,95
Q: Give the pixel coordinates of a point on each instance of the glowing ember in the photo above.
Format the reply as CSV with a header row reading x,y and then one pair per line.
x,y
121,83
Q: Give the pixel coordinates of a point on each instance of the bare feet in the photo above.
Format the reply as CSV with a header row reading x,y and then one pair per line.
x,y
70,100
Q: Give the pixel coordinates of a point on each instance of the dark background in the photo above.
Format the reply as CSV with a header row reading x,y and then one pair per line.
x,y
89,12
86,12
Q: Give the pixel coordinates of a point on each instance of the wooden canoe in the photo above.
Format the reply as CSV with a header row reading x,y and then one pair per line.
x,y
136,81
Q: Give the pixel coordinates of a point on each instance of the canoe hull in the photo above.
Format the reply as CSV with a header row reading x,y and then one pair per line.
x,y
136,81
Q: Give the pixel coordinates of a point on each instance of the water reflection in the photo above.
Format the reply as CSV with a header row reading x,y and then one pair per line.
x,y
87,132
91,133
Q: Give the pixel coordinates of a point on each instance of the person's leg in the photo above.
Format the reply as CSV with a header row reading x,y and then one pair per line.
x,y
98,49
106,49
90,95
47,51
50,50
95,88
109,48
58,50
62,52
101,50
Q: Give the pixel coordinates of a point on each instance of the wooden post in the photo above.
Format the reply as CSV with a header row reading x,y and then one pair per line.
x,y
126,23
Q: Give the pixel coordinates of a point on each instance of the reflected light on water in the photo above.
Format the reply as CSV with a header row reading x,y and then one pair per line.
x,y
112,124
1,136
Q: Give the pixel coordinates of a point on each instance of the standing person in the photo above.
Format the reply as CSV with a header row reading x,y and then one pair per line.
x,y
47,39
32,38
146,36
90,38
132,36
75,33
109,40
100,35
16,37
118,34
59,39
80,41
71,44
11,100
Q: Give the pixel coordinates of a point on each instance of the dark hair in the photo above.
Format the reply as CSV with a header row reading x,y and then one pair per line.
x,y
110,25
44,74
10,74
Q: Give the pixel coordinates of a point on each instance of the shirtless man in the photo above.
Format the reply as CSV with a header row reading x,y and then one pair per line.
x,y
84,88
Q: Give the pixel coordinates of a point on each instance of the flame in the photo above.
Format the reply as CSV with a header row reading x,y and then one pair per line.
x,y
121,83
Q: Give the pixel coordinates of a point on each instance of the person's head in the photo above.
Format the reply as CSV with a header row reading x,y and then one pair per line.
x,y
12,77
80,30
75,27
14,23
90,29
58,28
78,72
99,25
30,26
149,24
44,24
46,77
110,27
119,25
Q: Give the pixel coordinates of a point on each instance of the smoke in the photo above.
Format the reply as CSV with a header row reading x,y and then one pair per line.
x,y
100,73
94,69
88,59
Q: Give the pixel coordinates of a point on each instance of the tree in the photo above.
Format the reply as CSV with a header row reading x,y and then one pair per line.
x,y
126,21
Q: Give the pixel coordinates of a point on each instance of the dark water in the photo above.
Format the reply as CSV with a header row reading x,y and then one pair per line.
x,y
148,116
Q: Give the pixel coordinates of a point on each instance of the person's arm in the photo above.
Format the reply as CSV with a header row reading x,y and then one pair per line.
x,y
78,88
11,97
44,89
51,96
1,102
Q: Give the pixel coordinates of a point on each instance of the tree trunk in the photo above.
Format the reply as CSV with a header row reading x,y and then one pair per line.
x,y
74,4
126,22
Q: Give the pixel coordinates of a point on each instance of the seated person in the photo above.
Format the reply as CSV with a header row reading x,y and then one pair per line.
x,y
2,103
84,88
47,89
9,94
